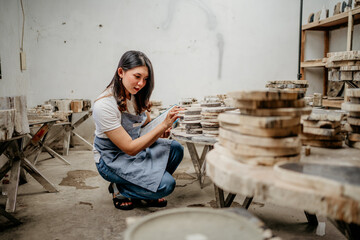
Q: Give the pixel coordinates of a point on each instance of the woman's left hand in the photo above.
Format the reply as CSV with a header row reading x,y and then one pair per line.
x,y
166,134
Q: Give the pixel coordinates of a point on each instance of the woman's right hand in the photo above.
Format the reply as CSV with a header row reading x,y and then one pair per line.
x,y
172,116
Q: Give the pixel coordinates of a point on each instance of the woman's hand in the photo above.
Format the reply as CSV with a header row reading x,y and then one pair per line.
x,y
166,134
171,117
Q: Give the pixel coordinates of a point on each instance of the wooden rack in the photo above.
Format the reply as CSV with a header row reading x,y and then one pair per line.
x,y
346,19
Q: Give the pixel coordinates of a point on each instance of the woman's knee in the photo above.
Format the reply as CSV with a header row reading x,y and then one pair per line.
x,y
167,185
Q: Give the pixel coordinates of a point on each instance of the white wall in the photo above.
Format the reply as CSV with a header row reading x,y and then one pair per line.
x,y
197,47
13,81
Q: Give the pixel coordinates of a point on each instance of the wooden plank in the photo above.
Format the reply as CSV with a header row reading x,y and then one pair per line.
x,y
321,124
31,169
323,143
325,74
278,111
251,104
265,95
7,124
333,21
286,142
21,120
262,122
302,54
312,63
263,132
350,31
13,185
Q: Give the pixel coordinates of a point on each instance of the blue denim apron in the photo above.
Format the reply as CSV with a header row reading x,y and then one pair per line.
x,y
148,166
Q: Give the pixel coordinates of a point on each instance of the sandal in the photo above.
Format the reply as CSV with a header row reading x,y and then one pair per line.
x,y
123,203
120,203
161,202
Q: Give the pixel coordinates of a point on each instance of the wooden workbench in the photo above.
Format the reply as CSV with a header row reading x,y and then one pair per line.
x,y
265,184
190,141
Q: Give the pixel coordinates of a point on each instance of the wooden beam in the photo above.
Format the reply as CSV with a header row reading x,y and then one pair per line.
x,y
325,74
302,56
350,32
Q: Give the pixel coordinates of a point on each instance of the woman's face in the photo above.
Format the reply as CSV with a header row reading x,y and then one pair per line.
x,y
134,79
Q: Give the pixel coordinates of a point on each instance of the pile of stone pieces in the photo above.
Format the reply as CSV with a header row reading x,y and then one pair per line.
x,y
59,108
187,102
322,128
43,111
353,107
184,103
192,120
344,67
288,85
265,128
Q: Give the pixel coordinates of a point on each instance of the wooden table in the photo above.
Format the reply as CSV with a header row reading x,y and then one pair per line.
x,y
17,161
69,130
39,140
191,140
265,184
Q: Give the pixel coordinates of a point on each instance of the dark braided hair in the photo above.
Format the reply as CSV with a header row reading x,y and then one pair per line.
x,y
129,60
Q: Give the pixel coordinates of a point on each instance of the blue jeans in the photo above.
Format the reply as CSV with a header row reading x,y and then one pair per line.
x,y
129,190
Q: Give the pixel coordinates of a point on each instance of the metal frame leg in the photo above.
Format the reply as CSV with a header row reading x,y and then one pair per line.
x,y
350,230
221,202
312,219
247,202
199,161
9,216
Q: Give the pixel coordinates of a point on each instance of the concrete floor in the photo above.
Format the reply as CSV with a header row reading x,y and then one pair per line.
x,y
83,209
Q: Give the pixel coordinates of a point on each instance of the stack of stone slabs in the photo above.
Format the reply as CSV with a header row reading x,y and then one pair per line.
x,y
266,128
353,107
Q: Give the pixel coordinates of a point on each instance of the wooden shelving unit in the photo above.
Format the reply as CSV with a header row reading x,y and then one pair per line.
x,y
346,19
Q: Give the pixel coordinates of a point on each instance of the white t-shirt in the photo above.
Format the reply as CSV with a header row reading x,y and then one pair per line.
x,y
106,114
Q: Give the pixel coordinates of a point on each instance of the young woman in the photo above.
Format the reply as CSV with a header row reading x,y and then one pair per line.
x,y
138,168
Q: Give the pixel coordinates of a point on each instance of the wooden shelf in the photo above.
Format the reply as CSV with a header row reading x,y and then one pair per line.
x,y
334,21
347,19
312,63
